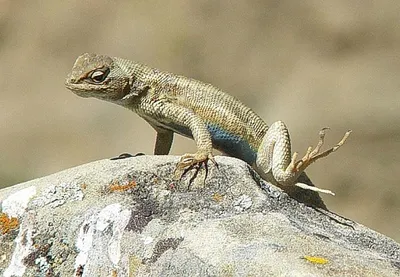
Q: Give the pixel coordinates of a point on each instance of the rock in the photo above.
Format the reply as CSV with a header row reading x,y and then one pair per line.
x,y
131,218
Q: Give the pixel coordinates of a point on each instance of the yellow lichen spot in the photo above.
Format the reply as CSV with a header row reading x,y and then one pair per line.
x,y
134,264
217,197
227,270
7,223
316,260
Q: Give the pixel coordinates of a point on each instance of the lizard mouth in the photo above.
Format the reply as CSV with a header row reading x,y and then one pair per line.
x,y
83,94
87,94
83,90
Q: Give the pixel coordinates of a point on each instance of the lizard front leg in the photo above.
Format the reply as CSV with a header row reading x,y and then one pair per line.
x,y
177,115
163,141
278,165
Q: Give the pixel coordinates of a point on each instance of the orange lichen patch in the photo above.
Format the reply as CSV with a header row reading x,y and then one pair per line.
x,y
316,260
7,223
116,186
217,197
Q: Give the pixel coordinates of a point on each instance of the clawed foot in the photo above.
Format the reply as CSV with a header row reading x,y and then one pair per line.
x,y
313,155
125,156
190,161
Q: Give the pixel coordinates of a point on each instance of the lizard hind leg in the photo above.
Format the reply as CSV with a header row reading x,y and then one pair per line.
x,y
275,161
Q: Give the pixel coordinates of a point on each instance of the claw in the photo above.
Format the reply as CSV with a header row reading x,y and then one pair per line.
x,y
126,155
293,164
190,161
313,155
322,134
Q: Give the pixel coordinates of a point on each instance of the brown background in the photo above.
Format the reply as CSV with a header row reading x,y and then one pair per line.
x,y
309,63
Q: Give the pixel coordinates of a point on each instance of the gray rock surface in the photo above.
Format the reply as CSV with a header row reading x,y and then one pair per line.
x,y
131,218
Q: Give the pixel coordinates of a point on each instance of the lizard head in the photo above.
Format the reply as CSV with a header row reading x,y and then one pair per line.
x,y
98,76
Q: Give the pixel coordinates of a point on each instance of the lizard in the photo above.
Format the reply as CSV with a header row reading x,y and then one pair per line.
x,y
211,117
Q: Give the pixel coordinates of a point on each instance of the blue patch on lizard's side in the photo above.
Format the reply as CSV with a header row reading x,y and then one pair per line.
x,y
230,144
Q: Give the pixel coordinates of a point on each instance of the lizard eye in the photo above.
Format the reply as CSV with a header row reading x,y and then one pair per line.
x,y
99,75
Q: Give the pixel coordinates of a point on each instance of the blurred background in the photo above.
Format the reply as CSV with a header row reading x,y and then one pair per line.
x,y
309,63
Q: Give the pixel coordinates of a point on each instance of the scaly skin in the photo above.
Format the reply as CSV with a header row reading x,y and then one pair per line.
x,y
214,119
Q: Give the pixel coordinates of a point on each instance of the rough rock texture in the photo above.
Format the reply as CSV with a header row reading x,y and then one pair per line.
x,y
131,218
